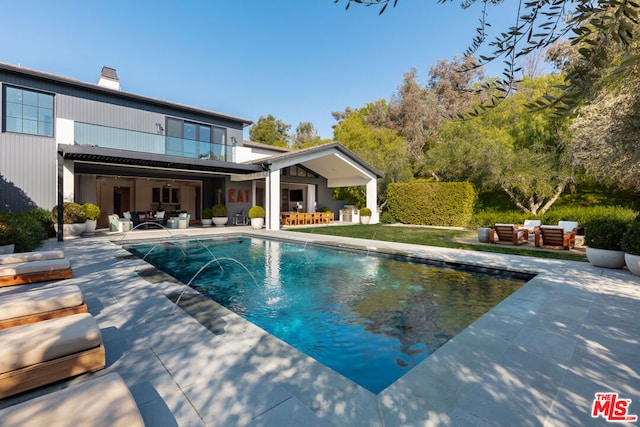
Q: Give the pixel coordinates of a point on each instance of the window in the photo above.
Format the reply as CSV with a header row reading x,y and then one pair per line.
x,y
27,111
194,140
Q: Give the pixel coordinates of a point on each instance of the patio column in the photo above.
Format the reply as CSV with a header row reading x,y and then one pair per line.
x,y
372,200
272,200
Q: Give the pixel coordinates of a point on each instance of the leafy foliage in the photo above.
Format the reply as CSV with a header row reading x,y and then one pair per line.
x,y
271,131
29,229
92,211
256,212
605,233
631,239
219,210
207,213
8,234
73,213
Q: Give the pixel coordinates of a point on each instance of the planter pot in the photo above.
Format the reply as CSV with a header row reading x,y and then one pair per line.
x,y
365,219
206,222
257,223
605,258
71,230
90,226
483,234
220,221
633,263
7,249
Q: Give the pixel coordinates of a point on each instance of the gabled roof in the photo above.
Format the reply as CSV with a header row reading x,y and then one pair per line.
x,y
41,75
340,166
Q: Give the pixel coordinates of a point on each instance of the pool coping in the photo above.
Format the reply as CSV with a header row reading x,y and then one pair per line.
x,y
530,361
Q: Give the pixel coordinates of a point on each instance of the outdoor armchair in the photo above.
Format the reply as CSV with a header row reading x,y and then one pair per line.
x,y
508,233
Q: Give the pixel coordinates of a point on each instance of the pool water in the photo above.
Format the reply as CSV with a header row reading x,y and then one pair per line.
x,y
371,318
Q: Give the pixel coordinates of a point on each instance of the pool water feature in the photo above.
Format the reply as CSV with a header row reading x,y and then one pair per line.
x,y
371,318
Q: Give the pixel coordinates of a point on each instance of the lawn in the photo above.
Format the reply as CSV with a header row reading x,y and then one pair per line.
x,y
434,237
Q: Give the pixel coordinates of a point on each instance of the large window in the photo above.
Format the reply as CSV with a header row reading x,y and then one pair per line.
x,y
27,111
195,140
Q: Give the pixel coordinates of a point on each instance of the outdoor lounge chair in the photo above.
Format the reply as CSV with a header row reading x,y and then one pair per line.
x,y
99,402
508,233
44,352
34,271
531,225
30,256
31,306
550,235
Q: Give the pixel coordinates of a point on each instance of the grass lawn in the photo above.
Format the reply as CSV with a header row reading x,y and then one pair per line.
x,y
434,237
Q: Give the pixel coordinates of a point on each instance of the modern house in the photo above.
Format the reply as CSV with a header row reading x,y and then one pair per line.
x,y
67,140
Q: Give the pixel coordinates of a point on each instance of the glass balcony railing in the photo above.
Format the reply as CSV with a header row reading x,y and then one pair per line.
x,y
109,137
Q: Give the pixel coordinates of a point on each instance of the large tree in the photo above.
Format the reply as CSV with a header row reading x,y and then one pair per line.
x,y
509,148
599,28
380,146
271,131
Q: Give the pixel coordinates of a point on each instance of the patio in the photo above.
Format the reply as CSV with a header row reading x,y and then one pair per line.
x,y
537,358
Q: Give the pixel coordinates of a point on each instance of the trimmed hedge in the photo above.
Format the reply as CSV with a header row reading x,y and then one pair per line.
x,y
605,233
582,214
432,203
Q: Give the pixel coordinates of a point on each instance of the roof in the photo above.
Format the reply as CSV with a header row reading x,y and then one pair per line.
x,y
92,154
254,144
113,92
339,165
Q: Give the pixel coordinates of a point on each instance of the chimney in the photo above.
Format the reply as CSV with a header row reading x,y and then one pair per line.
x,y
109,78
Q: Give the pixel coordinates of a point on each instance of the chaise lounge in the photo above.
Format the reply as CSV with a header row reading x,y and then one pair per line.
x,y
34,271
40,353
100,402
30,306
30,256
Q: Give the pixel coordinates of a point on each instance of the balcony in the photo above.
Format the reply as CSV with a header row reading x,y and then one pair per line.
x,y
121,139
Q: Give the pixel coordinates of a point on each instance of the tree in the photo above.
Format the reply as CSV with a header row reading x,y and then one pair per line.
x,y
380,146
598,28
269,130
510,148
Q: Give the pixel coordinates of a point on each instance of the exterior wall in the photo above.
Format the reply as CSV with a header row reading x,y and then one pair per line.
x,y
28,163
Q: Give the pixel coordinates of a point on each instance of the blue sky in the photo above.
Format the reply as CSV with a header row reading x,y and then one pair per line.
x,y
296,59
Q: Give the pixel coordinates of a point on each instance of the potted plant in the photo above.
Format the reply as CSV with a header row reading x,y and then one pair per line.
x,y
93,213
8,236
206,217
73,219
603,237
256,215
219,213
365,215
631,247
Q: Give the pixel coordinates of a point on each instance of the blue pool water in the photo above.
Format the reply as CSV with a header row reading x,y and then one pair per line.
x,y
370,318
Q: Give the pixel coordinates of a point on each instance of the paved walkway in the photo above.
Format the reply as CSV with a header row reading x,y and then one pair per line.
x,y
537,358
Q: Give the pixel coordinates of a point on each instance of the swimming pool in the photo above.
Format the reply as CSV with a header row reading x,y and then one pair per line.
x,y
371,318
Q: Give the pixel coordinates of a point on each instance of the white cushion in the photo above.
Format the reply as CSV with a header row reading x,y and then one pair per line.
x,y
506,225
33,343
34,267
126,214
183,215
160,214
30,256
31,302
568,226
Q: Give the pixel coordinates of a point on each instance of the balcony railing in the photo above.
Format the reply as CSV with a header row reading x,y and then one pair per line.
x,y
109,137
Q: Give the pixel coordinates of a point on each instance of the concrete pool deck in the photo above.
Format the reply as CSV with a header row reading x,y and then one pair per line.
x,y
537,358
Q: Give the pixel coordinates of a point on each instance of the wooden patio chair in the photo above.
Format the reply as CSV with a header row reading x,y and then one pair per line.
x,y
508,233
552,236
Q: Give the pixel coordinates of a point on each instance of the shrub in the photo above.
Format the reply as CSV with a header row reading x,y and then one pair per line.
x,y
43,217
365,212
603,233
91,211
29,230
256,212
73,213
631,239
387,218
219,210
8,234
432,203
325,209
207,213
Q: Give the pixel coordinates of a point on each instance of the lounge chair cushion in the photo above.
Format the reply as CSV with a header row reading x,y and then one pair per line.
x,y
39,301
568,226
30,256
27,345
100,402
33,267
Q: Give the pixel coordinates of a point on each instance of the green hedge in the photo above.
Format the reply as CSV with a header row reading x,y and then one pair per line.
x,y
31,228
582,214
432,203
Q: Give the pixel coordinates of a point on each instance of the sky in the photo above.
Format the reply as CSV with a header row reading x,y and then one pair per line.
x,y
298,60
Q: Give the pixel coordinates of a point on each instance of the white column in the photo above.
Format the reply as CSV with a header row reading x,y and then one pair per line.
x,y
372,200
272,200
68,190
